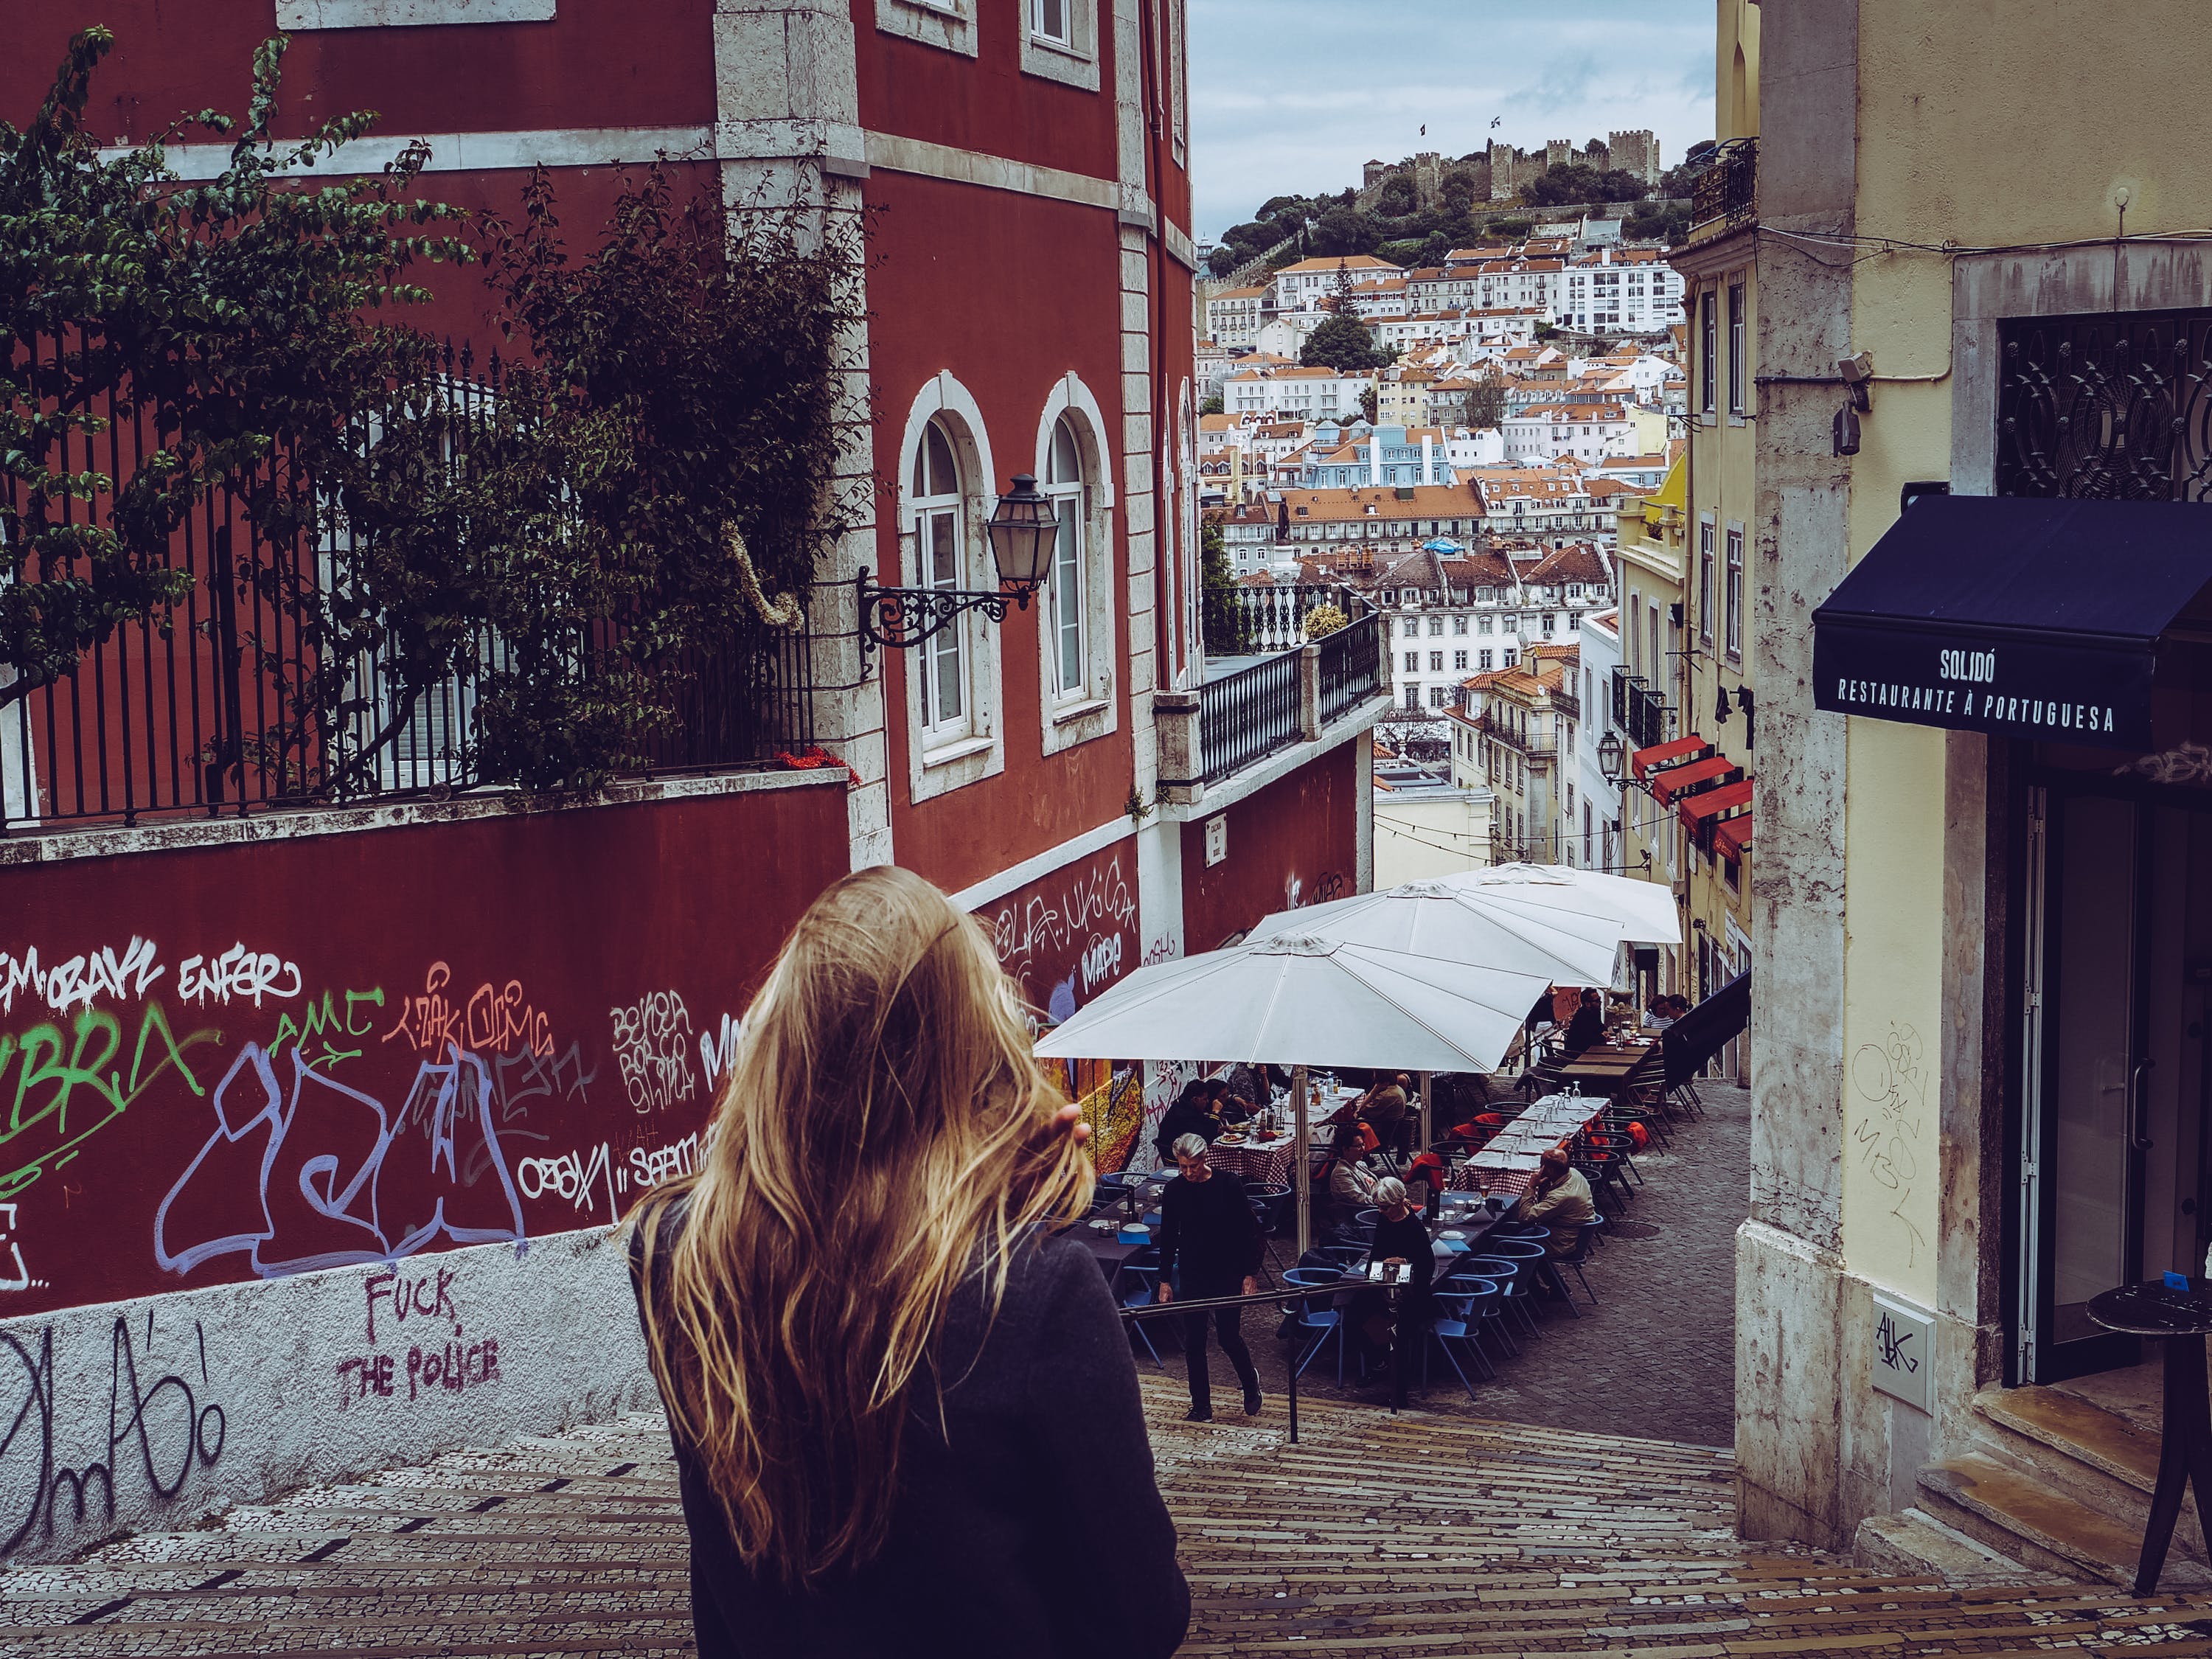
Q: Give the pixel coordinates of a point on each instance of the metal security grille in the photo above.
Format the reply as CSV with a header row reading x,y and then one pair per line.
x,y
196,714
2106,408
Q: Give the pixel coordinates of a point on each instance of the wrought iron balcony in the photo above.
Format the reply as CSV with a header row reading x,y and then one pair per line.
x,y
1726,194
1640,712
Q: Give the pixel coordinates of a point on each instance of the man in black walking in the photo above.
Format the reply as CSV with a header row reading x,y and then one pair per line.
x,y
1207,1230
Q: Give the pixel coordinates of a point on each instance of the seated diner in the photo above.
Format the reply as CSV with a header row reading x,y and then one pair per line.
x,y
1559,1197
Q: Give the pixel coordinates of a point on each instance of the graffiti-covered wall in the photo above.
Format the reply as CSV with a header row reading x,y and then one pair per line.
x,y
261,1096
1064,938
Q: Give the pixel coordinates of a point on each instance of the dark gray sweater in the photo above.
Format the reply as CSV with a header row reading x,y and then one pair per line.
x,y
1029,1527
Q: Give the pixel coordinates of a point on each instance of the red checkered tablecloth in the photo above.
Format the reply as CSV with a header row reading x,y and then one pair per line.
x,y
1268,1166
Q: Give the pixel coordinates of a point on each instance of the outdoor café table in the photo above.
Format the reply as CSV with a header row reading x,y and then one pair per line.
x,y
1602,1069
2181,1319
1259,1162
1508,1163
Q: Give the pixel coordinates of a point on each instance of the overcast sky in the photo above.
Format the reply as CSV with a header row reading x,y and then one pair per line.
x,y
1290,96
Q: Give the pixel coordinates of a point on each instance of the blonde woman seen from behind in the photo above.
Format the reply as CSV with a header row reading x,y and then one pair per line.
x,y
905,1416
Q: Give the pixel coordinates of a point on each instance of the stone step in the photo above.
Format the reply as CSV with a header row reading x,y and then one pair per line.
x,y
1417,1536
2082,1451
2024,1519
1914,1542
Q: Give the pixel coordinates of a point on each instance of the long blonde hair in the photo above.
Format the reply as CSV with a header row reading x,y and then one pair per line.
x,y
884,1133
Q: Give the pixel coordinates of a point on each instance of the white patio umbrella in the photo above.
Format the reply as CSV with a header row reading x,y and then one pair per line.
x,y
1564,924
1439,921
1645,910
1297,1000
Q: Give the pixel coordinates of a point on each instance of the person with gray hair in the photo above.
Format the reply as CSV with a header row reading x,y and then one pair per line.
x,y
1402,1237
1209,1246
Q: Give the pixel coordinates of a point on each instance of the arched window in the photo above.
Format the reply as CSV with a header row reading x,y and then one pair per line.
x,y
940,533
1064,482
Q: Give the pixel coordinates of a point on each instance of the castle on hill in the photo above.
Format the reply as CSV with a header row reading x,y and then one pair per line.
x,y
1500,170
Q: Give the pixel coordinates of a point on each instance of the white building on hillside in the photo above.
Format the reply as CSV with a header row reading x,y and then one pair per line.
x,y
1305,285
1305,394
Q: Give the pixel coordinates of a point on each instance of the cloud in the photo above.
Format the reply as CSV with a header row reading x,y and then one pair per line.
x,y
1289,97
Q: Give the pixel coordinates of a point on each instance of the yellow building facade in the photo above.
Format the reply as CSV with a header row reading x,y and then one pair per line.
x,y
1983,939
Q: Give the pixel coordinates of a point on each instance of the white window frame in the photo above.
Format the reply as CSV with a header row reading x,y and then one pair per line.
x,y
1091,710
926,512
1073,60
1707,565
1735,593
949,25
937,763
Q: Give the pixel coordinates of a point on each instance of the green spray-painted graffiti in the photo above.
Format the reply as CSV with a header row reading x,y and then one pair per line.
x,y
69,1087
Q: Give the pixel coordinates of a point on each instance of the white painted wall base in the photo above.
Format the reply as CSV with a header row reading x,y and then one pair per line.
x,y
157,1412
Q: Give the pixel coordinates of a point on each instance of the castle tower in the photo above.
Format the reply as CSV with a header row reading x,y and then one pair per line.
x,y
1558,153
1503,177
1636,153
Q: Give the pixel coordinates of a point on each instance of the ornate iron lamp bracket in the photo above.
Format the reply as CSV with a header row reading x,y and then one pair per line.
x,y
901,618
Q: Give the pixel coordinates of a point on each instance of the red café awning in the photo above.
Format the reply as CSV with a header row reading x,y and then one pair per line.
x,y
1733,835
1695,809
1667,785
1669,754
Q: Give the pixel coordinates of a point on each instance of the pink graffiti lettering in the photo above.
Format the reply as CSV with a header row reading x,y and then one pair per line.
x,y
503,1021
491,1020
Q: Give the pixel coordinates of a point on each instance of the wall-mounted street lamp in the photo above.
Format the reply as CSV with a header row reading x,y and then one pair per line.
x,y
1612,754
1023,532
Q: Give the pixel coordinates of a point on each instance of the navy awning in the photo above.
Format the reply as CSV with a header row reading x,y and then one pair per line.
x,y
1706,1030
2023,616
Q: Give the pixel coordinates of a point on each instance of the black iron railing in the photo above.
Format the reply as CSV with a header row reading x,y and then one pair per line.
x,y
1273,618
204,714
1727,191
1642,714
1249,715
1351,665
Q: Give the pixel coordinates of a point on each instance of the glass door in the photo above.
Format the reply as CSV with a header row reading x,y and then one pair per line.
x,y
2083,1078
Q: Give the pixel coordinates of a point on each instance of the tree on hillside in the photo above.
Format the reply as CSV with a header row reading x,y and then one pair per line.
x,y
1343,343
1486,404
1343,295
1212,406
1370,403
1456,194
1345,230
1567,185
1397,196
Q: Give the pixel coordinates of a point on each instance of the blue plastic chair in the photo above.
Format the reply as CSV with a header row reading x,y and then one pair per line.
x,y
1137,1284
1317,1320
1488,1316
1458,1321
1512,1292
1309,1275
1586,1233
1534,1257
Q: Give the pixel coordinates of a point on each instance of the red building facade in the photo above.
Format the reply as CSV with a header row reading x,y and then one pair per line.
x,y
1022,167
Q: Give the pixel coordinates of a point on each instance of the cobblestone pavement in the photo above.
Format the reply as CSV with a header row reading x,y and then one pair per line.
x,y
1657,1355
1421,1536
